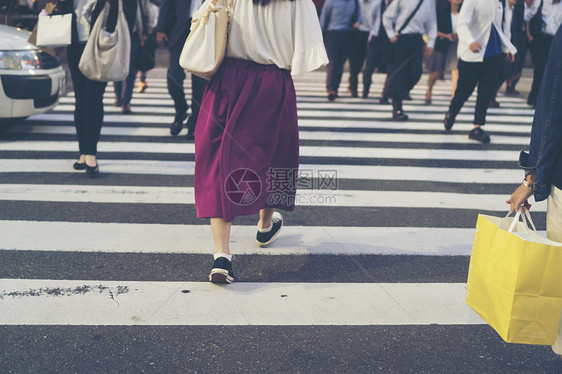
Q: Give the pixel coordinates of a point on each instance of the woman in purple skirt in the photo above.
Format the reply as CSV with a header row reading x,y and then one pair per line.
x,y
246,138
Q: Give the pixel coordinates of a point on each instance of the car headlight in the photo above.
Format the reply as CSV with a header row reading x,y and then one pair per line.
x,y
20,60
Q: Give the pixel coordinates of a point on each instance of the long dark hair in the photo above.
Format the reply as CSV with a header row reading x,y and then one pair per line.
x,y
265,2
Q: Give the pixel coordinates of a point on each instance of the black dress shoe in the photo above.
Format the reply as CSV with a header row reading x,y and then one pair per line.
x,y
384,101
177,125
190,135
79,166
126,109
399,115
449,121
92,171
479,135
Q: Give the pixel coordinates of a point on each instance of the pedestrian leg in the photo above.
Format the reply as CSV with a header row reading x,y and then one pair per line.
x,y
337,55
373,60
469,73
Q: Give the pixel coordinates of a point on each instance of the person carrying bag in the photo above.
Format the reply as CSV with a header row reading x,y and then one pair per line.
x,y
205,47
106,56
514,280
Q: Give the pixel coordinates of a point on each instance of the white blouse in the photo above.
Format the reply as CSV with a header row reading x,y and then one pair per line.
x,y
284,33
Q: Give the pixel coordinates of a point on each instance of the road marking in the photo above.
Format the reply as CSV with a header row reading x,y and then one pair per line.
x,y
360,172
196,239
185,195
60,302
305,151
327,136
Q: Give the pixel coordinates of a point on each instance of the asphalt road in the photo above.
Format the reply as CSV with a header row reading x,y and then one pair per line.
x,y
108,275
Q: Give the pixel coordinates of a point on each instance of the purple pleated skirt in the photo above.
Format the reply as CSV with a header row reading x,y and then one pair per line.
x,y
246,141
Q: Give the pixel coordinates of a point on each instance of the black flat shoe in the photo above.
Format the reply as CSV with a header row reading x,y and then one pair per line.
x,y
92,171
79,166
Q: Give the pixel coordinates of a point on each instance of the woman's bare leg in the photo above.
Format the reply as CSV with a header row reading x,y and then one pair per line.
x,y
265,218
430,83
221,235
454,81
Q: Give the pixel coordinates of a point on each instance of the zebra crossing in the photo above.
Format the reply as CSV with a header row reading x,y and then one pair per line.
x,y
383,256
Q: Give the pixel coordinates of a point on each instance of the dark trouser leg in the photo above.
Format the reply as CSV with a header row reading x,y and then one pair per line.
x,y
539,53
469,73
175,78
357,56
129,82
336,47
406,68
198,86
487,87
93,114
415,67
373,60
73,53
118,90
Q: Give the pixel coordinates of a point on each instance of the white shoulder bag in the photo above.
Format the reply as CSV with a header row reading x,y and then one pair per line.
x,y
205,47
107,55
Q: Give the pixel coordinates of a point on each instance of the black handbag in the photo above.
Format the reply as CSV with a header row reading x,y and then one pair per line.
x,y
536,23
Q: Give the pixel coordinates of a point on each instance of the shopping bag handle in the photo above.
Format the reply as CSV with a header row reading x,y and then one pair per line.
x,y
523,212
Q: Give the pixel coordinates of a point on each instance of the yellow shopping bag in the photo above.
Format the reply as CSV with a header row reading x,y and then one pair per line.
x,y
515,280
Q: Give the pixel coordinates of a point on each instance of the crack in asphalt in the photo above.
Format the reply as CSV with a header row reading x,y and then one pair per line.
x,y
58,292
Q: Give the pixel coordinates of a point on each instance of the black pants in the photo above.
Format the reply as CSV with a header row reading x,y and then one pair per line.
x,y
338,45
406,67
357,56
470,74
198,86
376,59
176,76
88,107
539,48
124,89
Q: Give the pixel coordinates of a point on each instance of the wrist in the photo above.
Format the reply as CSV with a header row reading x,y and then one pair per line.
x,y
530,176
527,184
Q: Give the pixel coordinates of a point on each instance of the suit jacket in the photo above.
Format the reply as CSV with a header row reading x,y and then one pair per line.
x,y
174,20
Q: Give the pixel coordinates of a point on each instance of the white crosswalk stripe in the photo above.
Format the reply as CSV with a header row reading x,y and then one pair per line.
x,y
383,168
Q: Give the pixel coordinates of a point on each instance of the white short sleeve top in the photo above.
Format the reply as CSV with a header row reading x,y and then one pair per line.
x,y
284,33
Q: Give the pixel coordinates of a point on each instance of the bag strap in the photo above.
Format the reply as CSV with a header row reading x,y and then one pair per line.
x,y
523,212
409,18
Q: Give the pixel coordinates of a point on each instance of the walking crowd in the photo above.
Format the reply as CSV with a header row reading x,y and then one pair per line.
x,y
244,119
480,42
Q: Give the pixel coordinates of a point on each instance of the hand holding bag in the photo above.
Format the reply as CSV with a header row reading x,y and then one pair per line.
x,y
514,280
205,47
106,55
54,30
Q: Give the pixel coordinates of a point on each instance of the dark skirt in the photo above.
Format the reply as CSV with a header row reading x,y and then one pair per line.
x,y
246,141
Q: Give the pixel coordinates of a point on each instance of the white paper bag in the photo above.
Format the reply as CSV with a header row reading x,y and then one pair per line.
x,y
54,31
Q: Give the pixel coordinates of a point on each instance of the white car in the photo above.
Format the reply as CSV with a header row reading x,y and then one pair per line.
x,y
31,80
